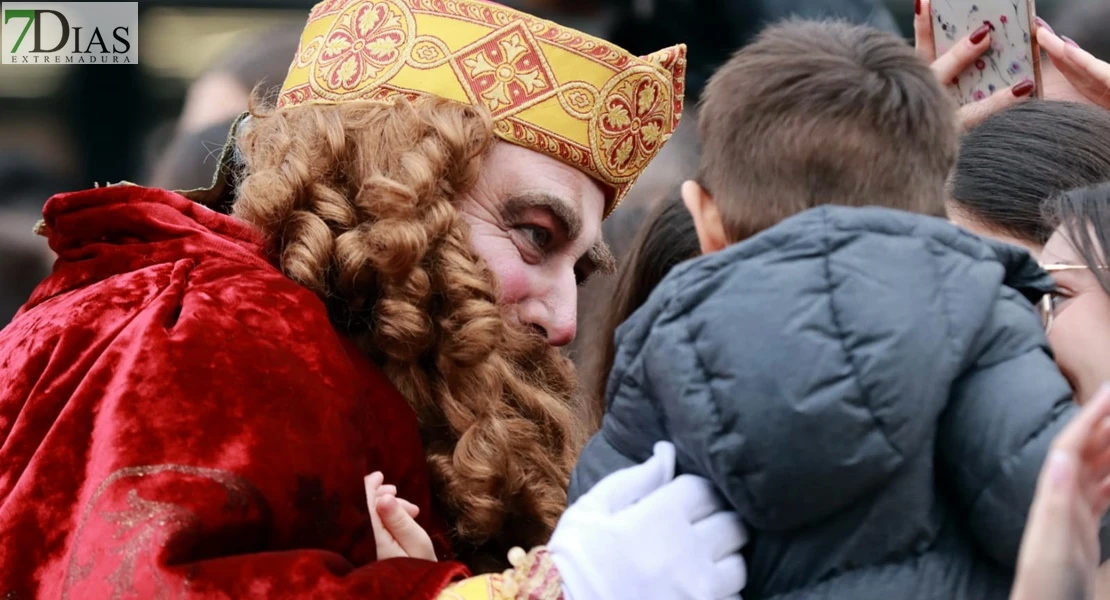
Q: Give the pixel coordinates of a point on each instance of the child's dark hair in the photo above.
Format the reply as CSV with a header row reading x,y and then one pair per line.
x,y
817,113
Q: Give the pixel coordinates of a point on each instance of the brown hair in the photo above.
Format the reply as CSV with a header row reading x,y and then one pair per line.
x,y
816,113
658,183
1084,215
358,201
666,238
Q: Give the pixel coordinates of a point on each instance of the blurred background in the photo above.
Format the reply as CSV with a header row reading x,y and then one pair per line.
x,y
163,121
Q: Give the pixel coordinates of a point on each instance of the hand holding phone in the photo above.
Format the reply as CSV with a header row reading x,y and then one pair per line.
x,y
1086,74
1013,56
985,51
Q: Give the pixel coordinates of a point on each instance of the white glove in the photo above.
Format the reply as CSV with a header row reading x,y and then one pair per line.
x,y
642,534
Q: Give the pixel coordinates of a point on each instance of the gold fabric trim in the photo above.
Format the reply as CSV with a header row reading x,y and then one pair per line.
x,y
142,521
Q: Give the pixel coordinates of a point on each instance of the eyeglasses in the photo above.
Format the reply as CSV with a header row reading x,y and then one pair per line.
x,y
1047,305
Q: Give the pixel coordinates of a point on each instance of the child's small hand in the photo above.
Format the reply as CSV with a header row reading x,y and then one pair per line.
x,y
396,532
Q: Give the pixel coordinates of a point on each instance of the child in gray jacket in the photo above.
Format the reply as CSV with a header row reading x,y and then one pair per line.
x,y
866,384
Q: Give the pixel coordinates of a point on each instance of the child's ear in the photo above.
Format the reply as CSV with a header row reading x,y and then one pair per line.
x,y
707,219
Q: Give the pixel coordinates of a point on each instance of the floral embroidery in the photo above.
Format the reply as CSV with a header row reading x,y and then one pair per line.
x,y
534,576
506,74
580,99
294,96
523,134
426,51
308,53
323,8
362,44
631,124
549,88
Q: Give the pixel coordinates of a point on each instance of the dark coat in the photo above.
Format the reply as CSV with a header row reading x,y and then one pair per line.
x,y
871,390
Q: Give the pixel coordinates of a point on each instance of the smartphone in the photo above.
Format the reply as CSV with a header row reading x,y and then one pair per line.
x,y
1013,56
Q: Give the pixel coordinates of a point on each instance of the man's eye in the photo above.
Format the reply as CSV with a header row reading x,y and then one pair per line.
x,y
537,235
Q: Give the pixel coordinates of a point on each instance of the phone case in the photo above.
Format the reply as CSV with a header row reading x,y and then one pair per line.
x,y
1013,56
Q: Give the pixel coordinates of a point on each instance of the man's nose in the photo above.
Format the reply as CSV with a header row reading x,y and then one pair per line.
x,y
557,314
560,333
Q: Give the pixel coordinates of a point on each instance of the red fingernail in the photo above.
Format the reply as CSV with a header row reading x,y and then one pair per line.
x,y
1069,41
917,7
1024,89
1041,23
980,34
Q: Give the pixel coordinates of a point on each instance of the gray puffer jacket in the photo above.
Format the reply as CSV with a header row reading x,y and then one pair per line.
x,y
868,388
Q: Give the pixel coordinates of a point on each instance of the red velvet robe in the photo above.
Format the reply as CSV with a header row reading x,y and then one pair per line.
x,y
180,420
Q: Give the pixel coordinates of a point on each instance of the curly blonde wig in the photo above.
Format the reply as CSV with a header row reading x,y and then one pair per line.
x,y
359,203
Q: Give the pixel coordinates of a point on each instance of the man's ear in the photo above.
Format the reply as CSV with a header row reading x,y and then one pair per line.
x,y
707,219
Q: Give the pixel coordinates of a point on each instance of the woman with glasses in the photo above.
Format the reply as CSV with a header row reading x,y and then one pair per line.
x,y
1077,319
1077,314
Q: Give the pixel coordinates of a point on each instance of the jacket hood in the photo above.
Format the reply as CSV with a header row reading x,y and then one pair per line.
x,y
836,328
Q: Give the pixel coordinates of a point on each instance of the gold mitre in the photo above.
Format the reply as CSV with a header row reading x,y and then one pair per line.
x,y
551,89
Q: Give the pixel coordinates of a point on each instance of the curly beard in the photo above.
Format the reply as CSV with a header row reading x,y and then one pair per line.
x,y
358,203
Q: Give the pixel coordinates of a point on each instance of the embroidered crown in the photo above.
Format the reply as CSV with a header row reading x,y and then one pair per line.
x,y
549,88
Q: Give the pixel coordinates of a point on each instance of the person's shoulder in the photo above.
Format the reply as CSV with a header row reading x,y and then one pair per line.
x,y
253,303
876,281
180,303
830,231
152,252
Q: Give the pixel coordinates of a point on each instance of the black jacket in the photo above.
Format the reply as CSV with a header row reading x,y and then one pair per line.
x,y
868,388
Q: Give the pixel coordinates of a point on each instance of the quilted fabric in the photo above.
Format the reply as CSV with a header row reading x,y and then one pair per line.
x,y
871,390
